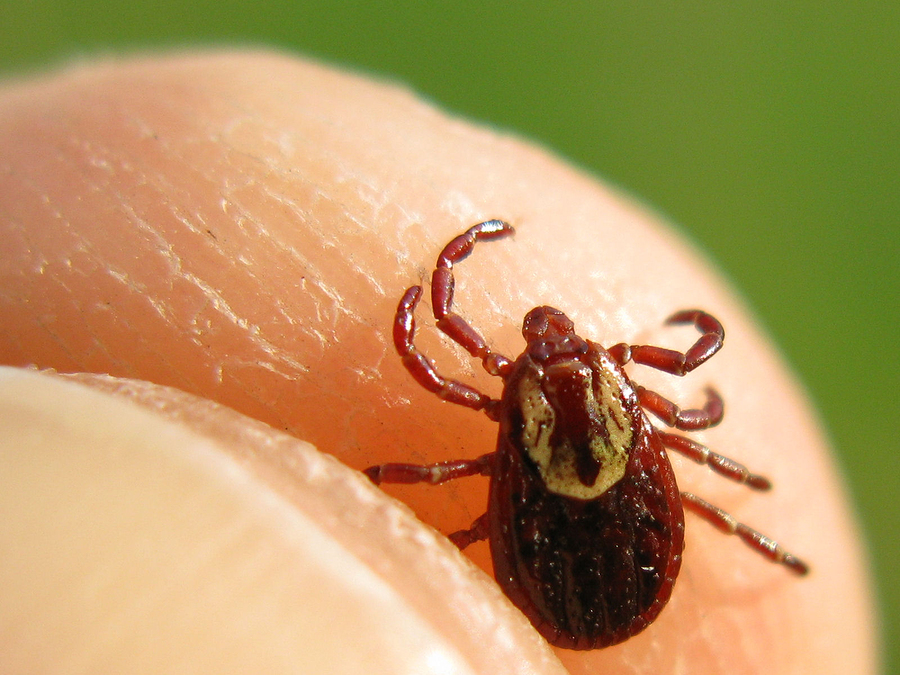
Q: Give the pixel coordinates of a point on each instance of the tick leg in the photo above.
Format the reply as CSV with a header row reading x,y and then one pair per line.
x,y
422,368
722,465
480,530
755,540
686,420
669,360
442,283
430,473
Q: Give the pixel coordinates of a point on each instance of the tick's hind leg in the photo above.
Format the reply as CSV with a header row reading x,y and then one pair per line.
x,y
724,466
759,542
480,530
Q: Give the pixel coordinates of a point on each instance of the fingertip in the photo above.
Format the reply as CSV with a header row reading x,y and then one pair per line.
x,y
177,531
186,221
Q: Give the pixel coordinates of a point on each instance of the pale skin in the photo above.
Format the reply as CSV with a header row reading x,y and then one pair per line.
x,y
241,226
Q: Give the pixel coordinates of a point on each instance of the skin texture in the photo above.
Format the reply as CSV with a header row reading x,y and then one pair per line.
x,y
240,226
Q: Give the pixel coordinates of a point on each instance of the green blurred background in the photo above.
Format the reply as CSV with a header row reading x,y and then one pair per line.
x,y
768,131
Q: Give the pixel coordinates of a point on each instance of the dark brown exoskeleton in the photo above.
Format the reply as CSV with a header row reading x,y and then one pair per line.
x,y
584,518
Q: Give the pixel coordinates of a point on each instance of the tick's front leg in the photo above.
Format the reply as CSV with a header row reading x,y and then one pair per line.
x,y
724,466
433,474
421,367
442,284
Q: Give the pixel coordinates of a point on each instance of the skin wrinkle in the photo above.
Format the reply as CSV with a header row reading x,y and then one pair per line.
x,y
163,307
100,346
100,261
310,270
218,303
337,301
47,325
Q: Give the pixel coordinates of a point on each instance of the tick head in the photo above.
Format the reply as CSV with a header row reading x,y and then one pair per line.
x,y
543,323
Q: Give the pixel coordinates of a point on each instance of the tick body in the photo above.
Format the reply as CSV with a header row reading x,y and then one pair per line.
x,y
585,520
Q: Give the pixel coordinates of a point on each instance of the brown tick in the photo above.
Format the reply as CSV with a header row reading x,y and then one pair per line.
x,y
584,517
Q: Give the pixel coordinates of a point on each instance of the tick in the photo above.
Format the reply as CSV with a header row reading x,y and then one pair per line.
x,y
584,518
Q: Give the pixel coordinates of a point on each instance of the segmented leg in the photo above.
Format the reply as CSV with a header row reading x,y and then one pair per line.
x,y
755,540
422,368
442,284
685,420
434,474
480,530
724,466
669,360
